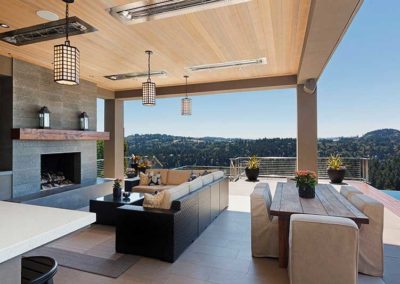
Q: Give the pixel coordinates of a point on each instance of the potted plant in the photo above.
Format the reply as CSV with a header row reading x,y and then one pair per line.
x,y
253,168
117,188
306,181
336,169
135,162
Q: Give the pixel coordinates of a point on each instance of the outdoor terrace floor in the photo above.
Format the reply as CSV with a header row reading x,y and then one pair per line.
x,y
222,254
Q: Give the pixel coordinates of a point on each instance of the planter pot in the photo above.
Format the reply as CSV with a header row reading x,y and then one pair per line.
x,y
131,175
306,191
336,176
142,170
117,193
135,166
252,174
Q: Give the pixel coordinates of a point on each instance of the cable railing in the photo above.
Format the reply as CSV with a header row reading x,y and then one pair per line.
x,y
357,168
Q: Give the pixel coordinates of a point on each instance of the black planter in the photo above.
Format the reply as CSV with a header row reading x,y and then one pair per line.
x,y
306,191
134,166
336,176
252,174
117,193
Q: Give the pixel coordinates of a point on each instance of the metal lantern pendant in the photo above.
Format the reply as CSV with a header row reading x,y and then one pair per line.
x,y
66,57
84,121
149,88
186,102
44,117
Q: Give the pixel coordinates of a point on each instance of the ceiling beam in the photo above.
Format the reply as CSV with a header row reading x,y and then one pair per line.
x,y
266,83
327,23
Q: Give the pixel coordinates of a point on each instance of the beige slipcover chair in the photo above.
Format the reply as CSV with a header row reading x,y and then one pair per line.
x,y
322,250
264,227
371,235
348,191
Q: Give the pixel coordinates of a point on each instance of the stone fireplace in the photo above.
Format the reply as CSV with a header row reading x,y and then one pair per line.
x,y
60,170
67,161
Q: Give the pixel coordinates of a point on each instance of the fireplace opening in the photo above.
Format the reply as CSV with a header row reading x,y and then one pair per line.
x,y
60,170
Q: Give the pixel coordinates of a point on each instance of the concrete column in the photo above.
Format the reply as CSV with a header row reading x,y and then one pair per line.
x,y
307,137
114,148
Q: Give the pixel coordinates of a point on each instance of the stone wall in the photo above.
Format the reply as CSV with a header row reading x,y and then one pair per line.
x,y
33,87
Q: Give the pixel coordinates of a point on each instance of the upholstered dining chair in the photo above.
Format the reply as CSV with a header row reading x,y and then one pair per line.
x,y
371,235
264,227
322,250
348,191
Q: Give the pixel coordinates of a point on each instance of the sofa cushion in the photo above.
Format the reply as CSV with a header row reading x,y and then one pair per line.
x,y
218,175
176,177
151,188
195,184
162,172
207,178
153,200
174,193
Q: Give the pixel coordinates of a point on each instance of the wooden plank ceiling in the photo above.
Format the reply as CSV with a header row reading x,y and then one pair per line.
x,y
273,29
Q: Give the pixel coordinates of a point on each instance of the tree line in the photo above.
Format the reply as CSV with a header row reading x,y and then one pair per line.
x,y
382,147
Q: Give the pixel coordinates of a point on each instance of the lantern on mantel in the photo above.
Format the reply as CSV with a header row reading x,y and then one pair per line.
x,y
83,121
44,117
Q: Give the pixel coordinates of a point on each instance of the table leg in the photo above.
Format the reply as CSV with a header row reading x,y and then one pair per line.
x,y
283,223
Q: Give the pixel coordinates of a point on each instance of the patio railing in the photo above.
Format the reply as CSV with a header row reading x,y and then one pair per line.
x,y
357,168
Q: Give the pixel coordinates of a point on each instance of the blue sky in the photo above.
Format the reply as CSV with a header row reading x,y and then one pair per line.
x,y
358,92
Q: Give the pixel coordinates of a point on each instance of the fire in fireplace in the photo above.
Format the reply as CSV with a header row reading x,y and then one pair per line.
x,y
60,170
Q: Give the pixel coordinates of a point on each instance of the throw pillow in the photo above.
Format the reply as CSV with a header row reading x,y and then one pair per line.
x,y
192,177
154,179
144,179
153,201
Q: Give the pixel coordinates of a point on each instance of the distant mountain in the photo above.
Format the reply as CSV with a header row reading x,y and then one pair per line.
x,y
388,133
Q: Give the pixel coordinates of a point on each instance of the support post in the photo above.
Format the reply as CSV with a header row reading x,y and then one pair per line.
x,y
307,137
114,148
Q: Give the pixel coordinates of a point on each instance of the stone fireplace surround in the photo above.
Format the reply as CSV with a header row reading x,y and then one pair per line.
x,y
32,88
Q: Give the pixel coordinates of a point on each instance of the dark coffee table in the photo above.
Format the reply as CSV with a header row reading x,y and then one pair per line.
x,y
105,207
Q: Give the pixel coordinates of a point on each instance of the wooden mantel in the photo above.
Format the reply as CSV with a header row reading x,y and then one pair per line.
x,y
57,134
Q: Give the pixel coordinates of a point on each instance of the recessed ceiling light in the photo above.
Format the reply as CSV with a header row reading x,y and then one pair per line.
x,y
47,15
3,25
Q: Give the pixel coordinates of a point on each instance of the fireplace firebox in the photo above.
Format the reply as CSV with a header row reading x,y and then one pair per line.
x,y
60,170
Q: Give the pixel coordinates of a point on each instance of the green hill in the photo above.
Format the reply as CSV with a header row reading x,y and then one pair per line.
x,y
381,146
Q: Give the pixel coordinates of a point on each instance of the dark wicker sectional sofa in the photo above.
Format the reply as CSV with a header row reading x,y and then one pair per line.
x,y
166,233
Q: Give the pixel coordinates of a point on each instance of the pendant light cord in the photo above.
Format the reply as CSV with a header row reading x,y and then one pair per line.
x,y
148,66
186,87
66,23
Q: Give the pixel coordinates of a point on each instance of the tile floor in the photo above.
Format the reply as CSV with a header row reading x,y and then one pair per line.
x,y
220,255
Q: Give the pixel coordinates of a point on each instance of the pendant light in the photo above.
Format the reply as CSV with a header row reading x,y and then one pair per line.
x,y
149,88
186,101
66,57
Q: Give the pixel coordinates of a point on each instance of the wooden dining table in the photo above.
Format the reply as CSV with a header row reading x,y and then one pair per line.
x,y
328,201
